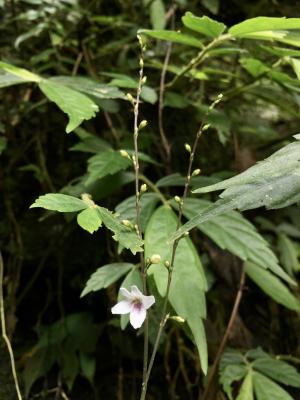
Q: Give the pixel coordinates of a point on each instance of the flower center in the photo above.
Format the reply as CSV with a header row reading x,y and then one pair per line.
x,y
137,304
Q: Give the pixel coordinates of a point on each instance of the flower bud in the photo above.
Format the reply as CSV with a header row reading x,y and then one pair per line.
x,y
205,127
167,264
125,154
143,124
188,148
144,80
177,318
177,199
155,259
144,188
196,172
141,63
130,98
127,223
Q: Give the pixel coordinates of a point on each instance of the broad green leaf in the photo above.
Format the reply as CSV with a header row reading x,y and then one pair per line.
x,y
87,363
296,66
188,280
89,219
273,183
173,36
21,73
127,209
232,232
254,67
8,79
89,87
69,365
261,24
59,202
277,370
105,276
272,286
126,237
132,278
76,105
204,25
157,14
105,163
266,389
229,374
38,365
246,391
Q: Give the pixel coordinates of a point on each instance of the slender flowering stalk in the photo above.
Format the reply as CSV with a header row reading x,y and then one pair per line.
x,y
180,201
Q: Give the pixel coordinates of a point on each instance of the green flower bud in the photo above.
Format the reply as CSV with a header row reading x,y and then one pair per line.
x,y
188,148
144,188
143,124
125,154
155,259
196,172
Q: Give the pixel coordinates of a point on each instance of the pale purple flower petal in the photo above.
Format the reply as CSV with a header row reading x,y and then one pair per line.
x,y
136,291
148,301
137,316
126,293
123,307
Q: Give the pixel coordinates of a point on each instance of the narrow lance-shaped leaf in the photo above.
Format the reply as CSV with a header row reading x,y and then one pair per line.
x,y
105,276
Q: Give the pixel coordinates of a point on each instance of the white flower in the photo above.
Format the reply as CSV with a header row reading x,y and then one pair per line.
x,y
135,304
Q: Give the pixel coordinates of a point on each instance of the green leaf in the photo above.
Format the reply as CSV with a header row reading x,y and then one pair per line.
x,y
157,14
273,183
105,163
38,365
255,67
87,363
204,25
246,391
3,144
127,208
261,24
89,219
76,105
69,365
230,374
173,36
105,276
272,286
232,232
89,87
20,73
278,370
265,389
296,66
132,278
188,280
59,202
288,253
126,237
212,5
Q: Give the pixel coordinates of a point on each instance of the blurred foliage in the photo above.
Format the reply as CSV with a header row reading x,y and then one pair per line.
x,y
67,346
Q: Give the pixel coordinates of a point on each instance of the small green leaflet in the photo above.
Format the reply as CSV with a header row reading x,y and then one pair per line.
x,y
105,276
273,286
78,106
230,374
89,219
22,74
173,36
59,202
246,391
204,25
273,183
188,281
266,389
106,163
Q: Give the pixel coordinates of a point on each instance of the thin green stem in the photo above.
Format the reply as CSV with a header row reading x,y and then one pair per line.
x,y
198,59
4,335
